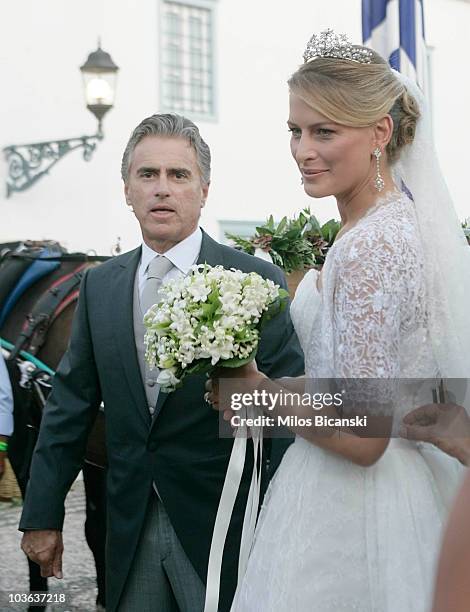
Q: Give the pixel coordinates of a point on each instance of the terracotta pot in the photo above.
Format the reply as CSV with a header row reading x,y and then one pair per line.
x,y
293,280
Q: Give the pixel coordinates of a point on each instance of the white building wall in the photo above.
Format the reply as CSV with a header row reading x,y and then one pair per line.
x,y
448,32
259,43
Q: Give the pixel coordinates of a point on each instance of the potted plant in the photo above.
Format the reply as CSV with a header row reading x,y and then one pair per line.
x,y
295,245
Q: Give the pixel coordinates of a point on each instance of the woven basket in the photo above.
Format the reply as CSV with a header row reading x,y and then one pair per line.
x,y
9,488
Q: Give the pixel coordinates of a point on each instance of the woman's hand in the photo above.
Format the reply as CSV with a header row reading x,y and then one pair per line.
x,y
244,379
447,426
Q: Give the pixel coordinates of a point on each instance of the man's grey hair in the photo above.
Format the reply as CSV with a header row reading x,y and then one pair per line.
x,y
174,126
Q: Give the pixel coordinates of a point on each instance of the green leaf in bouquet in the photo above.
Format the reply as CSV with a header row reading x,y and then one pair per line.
x,y
236,362
213,300
162,327
209,309
245,334
276,307
169,363
200,366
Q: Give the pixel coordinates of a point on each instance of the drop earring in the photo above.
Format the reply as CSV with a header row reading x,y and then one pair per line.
x,y
378,181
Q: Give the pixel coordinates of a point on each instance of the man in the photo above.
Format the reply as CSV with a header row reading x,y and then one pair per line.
x,y
166,461
6,413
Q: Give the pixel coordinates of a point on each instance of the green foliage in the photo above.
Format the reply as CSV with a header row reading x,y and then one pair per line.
x,y
237,362
293,244
241,243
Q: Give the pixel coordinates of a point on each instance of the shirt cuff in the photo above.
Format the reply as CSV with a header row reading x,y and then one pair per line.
x,y
6,424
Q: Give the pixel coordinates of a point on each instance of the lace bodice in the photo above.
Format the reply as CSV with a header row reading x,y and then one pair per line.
x,y
369,320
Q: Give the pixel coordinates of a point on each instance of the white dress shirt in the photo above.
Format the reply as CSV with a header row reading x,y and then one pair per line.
x,y
183,255
6,400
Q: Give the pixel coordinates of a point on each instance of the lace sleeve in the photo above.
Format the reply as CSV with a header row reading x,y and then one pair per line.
x,y
370,297
366,310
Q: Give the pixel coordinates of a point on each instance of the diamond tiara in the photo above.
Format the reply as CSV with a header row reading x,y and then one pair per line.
x,y
330,44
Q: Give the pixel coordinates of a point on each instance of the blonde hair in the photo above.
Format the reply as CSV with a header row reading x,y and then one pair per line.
x,y
358,95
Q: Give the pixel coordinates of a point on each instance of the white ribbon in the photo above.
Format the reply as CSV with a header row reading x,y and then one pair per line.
x,y
225,509
251,511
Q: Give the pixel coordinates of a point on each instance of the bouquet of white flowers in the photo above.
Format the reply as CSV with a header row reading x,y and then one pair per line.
x,y
212,317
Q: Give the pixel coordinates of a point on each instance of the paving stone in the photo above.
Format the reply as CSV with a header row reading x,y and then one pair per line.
x,y
79,582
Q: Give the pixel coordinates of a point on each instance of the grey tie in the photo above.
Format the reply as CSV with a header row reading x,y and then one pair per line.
x,y
157,269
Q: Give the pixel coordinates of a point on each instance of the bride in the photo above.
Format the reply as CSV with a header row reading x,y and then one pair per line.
x,y
354,522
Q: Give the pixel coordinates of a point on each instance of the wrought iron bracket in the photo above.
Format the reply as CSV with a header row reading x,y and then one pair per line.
x,y
30,162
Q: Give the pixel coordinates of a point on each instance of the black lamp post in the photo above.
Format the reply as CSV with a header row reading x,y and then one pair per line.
x,y
28,163
99,78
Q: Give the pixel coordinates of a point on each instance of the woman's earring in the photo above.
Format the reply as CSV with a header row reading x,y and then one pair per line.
x,y
378,181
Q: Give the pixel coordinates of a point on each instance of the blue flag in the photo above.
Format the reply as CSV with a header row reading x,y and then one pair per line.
x,y
395,29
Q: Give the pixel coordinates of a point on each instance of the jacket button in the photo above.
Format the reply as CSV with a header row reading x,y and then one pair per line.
x,y
151,383
152,446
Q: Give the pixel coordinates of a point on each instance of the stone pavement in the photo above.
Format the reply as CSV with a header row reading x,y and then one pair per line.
x,y
79,582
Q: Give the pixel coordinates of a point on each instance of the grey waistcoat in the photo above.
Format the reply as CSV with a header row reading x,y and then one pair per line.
x,y
149,377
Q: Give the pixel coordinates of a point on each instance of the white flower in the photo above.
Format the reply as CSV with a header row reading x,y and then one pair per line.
x,y
167,378
230,302
185,328
229,322
199,290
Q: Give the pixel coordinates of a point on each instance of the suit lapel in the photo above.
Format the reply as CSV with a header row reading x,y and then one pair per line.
x,y
212,254
123,327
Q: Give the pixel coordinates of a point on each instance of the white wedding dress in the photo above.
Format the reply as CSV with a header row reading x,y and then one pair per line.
x,y
334,536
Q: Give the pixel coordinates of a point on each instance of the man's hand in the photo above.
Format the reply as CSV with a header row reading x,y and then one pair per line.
x,y
447,426
245,379
44,547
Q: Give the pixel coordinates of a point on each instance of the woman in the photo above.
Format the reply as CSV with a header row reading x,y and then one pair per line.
x,y
351,522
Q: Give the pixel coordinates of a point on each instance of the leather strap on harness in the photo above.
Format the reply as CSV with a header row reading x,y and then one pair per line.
x,y
63,257
45,310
